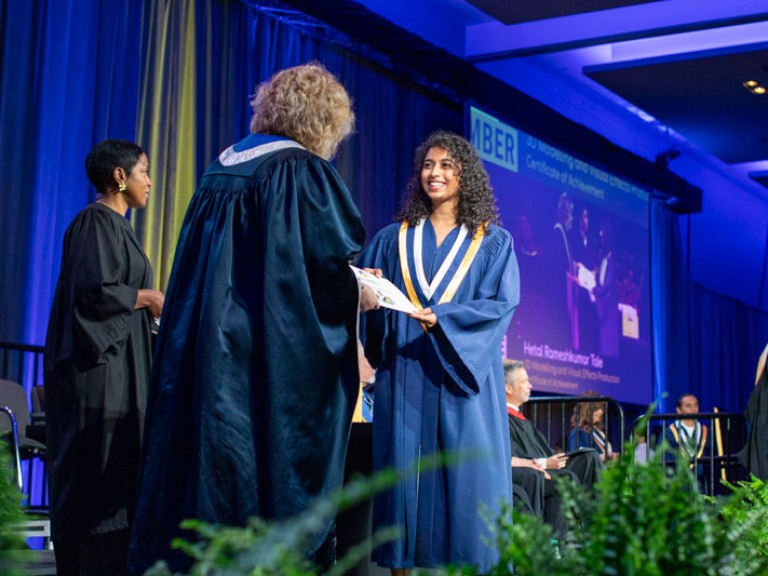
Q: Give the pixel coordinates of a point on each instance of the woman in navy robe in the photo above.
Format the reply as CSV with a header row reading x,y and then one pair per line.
x,y
440,383
256,371
97,363
589,428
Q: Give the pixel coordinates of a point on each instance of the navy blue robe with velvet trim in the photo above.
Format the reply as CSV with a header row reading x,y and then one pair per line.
x,y
444,391
256,371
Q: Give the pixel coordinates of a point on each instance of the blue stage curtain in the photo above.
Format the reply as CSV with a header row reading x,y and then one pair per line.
x,y
704,343
69,75
669,301
726,339
175,76
236,47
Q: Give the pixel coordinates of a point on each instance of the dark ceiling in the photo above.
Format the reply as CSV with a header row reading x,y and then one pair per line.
x,y
702,98
678,63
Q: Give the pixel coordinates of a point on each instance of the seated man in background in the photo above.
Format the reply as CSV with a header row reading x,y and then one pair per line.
x,y
688,438
534,460
528,443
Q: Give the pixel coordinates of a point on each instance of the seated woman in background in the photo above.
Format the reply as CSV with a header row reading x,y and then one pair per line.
x,y
589,429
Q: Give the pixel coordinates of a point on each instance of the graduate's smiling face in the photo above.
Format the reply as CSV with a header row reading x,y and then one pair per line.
x,y
518,387
440,177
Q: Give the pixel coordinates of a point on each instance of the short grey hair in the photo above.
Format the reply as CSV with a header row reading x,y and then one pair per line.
x,y
510,366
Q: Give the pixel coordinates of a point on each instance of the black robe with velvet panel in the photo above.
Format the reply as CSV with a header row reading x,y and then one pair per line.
x,y
256,376
527,442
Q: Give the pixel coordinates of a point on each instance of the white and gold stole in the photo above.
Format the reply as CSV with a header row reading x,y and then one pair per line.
x,y
427,288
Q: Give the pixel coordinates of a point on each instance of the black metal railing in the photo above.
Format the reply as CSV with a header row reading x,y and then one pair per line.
x,y
22,363
556,417
713,458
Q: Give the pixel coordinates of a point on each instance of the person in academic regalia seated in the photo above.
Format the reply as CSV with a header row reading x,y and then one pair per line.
x,y
589,428
439,386
754,455
689,439
256,372
528,442
97,365
534,462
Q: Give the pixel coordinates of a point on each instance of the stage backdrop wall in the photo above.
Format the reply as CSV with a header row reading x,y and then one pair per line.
x,y
582,243
175,76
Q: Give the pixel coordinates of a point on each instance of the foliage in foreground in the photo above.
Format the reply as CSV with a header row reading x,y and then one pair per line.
x,y
649,520
13,547
274,548
643,520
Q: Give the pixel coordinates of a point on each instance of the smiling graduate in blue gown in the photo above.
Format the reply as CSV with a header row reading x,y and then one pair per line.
x,y
440,383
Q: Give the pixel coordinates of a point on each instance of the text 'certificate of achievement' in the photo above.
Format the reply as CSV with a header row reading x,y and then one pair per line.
x,y
387,293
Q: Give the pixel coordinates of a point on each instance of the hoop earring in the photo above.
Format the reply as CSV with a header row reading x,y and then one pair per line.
x,y
121,186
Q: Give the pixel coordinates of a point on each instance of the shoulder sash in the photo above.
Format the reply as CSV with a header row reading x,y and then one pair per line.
x,y
683,446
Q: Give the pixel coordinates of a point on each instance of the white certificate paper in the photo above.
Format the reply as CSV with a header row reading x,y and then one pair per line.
x,y
387,293
586,277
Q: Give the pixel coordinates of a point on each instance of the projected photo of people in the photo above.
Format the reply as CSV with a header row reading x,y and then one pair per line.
x,y
582,242
528,249
594,280
605,293
585,250
562,296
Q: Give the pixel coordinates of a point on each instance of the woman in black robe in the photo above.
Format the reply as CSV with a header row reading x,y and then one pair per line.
x,y
97,359
754,455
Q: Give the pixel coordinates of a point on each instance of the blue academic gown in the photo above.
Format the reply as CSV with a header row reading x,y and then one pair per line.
x,y
255,377
444,391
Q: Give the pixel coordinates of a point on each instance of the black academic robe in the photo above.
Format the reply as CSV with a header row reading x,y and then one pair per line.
x,y
754,455
534,494
97,357
255,376
527,442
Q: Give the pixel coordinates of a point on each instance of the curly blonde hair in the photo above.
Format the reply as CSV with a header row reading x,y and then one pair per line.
x,y
307,104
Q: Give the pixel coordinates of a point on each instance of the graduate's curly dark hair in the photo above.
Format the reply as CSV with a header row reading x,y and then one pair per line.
x,y
476,205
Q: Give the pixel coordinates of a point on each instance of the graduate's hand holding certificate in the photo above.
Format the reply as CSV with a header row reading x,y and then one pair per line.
x,y
387,293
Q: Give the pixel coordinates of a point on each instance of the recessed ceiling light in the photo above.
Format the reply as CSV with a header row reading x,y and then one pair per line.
x,y
754,86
